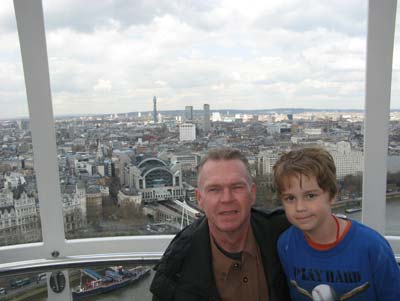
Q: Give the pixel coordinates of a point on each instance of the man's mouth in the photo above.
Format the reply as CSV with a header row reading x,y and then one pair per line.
x,y
229,212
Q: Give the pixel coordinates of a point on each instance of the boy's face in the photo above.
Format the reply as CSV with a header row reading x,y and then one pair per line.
x,y
307,206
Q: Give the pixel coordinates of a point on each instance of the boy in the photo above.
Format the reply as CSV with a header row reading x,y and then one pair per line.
x,y
325,257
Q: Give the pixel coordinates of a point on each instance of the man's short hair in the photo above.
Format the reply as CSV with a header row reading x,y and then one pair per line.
x,y
310,161
224,153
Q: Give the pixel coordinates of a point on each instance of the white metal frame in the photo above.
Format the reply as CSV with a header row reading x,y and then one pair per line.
x,y
30,23
380,42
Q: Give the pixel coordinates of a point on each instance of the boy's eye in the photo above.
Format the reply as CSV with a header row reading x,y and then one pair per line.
x,y
311,196
288,198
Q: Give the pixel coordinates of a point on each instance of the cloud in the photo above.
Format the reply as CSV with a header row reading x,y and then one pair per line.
x,y
102,85
114,56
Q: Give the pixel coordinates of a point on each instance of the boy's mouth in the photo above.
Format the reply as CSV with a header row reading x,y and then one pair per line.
x,y
303,218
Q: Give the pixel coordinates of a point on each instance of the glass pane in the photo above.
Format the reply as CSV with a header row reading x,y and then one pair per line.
x,y
121,282
142,90
393,164
23,287
128,282
19,204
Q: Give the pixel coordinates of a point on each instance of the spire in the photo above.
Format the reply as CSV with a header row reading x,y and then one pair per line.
x,y
155,109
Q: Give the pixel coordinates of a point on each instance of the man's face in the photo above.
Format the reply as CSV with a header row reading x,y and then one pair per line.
x,y
226,194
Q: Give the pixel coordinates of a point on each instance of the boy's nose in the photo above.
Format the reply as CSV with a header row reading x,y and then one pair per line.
x,y
300,205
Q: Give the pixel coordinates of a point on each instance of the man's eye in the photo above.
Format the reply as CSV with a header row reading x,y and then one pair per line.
x,y
237,187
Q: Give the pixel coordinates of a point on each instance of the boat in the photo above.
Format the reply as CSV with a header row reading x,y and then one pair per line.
x,y
114,278
352,210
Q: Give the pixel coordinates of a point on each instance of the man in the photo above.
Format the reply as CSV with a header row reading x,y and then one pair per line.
x,y
230,254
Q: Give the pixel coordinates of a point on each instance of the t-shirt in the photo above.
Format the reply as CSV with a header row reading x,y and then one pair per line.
x,y
361,267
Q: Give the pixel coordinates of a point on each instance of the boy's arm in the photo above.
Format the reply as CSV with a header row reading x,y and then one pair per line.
x,y
283,256
387,274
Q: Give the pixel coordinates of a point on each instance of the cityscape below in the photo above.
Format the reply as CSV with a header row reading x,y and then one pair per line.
x,y
135,173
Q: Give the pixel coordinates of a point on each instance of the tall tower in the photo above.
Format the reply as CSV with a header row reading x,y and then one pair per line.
x,y
206,121
155,109
189,113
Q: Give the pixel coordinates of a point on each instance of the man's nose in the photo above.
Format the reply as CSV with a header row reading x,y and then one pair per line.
x,y
226,195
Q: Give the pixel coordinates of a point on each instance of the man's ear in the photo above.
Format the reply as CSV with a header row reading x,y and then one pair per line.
x,y
253,192
198,197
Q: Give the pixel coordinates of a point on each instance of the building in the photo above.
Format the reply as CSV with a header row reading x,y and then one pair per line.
x,y
74,209
206,118
189,113
278,128
347,160
187,132
23,124
265,162
94,204
156,180
19,218
127,197
216,117
187,161
154,109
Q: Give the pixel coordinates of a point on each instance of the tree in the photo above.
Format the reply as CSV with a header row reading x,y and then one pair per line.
x,y
266,196
352,184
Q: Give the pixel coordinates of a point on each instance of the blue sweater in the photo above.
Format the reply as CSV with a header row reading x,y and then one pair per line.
x,y
362,267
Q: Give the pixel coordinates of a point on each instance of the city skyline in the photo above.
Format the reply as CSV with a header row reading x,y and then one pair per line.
x,y
200,110
113,58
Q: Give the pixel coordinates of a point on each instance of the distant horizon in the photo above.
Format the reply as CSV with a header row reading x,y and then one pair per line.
x,y
266,111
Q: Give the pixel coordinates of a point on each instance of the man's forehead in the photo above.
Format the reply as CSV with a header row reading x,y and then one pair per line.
x,y
214,166
211,163
211,173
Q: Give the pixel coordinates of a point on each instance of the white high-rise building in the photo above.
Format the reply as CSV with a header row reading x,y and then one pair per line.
x,y
347,160
216,116
187,132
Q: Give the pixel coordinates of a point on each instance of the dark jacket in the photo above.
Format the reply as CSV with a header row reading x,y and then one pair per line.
x,y
185,271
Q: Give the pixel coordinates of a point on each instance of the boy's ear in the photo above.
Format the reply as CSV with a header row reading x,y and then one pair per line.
x,y
334,198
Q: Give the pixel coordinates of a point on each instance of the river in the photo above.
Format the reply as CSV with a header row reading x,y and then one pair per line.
x,y
392,217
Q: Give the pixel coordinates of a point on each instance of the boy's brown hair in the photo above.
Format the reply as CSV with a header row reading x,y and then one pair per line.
x,y
310,161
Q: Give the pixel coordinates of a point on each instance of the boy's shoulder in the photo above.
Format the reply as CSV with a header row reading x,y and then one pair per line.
x,y
367,235
290,234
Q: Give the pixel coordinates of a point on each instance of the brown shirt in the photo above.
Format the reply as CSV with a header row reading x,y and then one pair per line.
x,y
240,280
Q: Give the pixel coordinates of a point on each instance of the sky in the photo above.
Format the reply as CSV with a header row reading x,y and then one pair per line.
x,y
113,56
